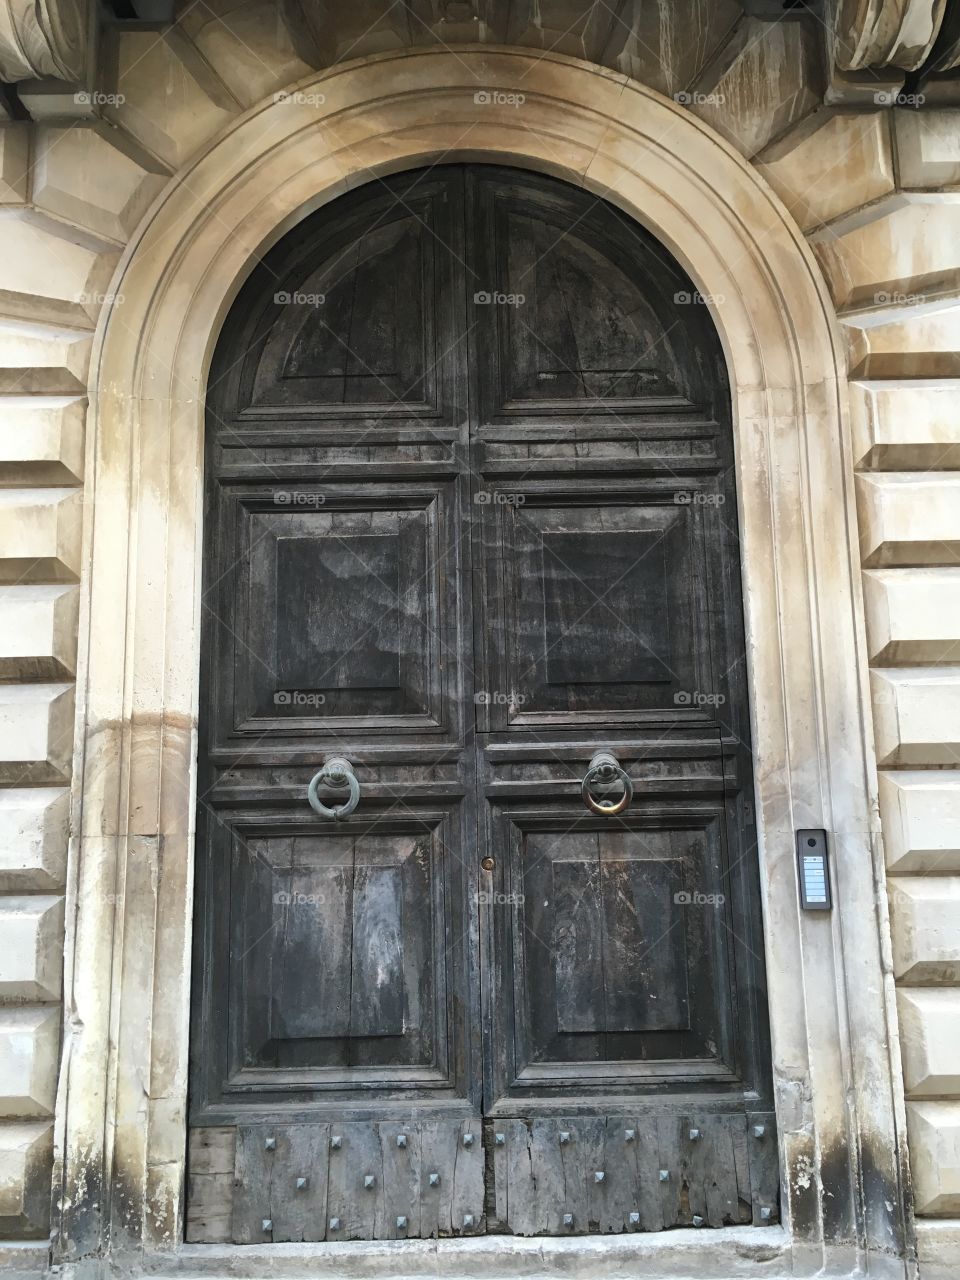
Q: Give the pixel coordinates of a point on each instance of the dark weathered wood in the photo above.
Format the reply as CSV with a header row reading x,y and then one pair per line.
x,y
402,1179
760,1158
359,1208
467,1198
576,941
284,1184
644,953
650,1190
210,1179
471,517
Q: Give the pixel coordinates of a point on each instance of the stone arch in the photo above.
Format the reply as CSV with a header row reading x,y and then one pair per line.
x,y
122,1128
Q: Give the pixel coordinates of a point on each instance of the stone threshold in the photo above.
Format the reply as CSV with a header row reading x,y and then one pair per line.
x,y
733,1253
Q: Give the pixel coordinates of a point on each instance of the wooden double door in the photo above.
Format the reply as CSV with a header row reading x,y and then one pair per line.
x,y
471,520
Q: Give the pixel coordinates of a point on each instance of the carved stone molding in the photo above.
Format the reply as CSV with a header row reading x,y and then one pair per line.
x,y
43,38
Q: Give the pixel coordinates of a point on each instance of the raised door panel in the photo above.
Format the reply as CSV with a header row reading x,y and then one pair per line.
x,y
340,950
609,950
337,611
601,608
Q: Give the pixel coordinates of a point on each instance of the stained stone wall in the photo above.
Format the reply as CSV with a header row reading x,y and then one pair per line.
x,y
875,186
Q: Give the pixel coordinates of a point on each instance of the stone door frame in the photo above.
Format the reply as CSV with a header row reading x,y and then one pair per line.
x,y
121,1114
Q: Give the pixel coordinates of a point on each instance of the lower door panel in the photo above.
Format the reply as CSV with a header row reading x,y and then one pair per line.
x,y
562,1175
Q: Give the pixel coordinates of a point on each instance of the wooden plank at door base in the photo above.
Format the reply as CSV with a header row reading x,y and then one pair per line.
x,y
355,1206
402,1173
763,1160
210,1175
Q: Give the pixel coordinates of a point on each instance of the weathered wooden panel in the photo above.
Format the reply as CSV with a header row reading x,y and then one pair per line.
x,y
609,957
402,1180
762,1158
337,609
598,605
356,331
336,939
355,1196
281,1183
594,586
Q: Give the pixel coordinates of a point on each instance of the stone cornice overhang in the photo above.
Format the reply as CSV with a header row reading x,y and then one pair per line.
x,y
49,48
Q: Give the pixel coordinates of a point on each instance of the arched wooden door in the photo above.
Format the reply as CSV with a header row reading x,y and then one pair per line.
x,y
471,520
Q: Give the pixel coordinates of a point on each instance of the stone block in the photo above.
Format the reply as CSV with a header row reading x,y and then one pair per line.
x,y
913,615
767,79
14,162
31,958
928,148
906,425
834,162
938,1248
908,519
40,532
916,715
252,47
39,636
925,924
50,273
33,839
36,733
906,261
933,1140
81,174
165,106
920,813
40,360
930,1041
29,1052
26,1154
41,438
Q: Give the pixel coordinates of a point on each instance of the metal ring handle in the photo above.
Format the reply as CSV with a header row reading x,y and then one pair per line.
x,y
605,767
337,772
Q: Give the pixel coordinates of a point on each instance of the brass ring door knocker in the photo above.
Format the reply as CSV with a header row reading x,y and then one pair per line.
x,y
336,772
605,769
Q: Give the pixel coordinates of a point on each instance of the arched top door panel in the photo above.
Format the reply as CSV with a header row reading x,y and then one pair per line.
x,y
571,309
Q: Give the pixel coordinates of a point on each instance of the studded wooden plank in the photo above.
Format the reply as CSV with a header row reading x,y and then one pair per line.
x,y
764,1167
400,1161
354,1205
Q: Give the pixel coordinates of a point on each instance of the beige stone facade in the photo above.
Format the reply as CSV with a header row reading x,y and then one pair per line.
x,y
821,213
